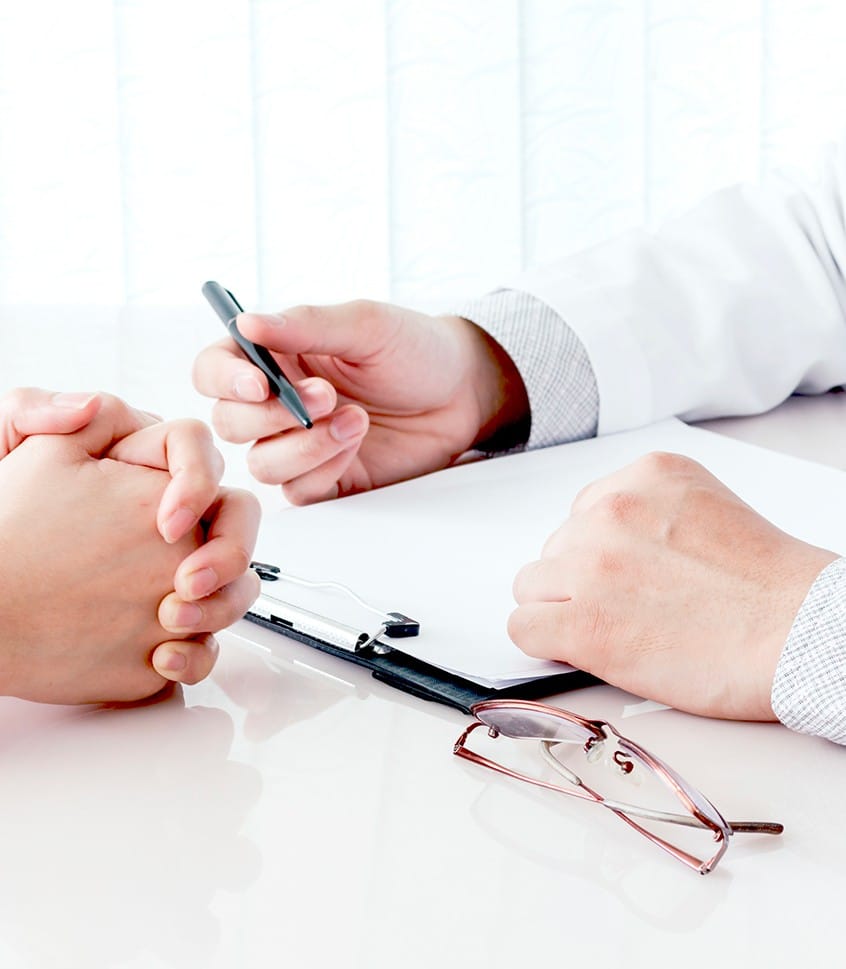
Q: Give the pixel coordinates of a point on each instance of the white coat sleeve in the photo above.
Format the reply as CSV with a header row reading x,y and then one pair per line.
x,y
725,311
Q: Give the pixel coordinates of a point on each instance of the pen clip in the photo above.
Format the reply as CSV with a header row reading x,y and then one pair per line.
x,y
235,301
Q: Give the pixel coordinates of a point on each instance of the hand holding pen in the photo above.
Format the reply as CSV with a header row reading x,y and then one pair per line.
x,y
228,308
393,394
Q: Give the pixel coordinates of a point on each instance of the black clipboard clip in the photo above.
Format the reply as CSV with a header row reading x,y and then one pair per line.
x,y
388,664
293,617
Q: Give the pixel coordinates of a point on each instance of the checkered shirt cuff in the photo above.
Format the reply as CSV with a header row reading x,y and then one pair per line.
x,y
809,689
562,391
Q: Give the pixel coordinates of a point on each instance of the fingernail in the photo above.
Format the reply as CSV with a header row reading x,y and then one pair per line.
x,y
184,617
317,399
201,583
275,319
72,401
247,387
178,525
173,663
347,425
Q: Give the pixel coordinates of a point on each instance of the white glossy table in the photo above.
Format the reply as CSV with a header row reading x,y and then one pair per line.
x,y
291,811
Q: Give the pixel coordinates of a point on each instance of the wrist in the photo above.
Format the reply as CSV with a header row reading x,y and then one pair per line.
x,y
500,395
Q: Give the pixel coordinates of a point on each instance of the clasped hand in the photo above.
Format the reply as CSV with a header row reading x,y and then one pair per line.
x,y
121,553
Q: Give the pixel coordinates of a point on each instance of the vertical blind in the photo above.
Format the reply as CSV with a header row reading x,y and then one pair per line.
x,y
416,150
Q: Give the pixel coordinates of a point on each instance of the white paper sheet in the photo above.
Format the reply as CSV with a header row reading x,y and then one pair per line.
x,y
444,548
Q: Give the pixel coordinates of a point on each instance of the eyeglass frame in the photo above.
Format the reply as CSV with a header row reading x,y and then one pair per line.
x,y
601,731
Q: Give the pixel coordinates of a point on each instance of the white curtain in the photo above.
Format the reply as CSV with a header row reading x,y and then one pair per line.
x,y
417,150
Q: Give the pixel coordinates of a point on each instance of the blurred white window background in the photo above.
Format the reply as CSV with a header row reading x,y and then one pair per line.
x,y
414,150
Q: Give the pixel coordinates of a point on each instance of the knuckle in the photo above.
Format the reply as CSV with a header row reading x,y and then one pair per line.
x,y
516,627
17,399
239,558
297,494
252,591
308,314
365,307
698,501
246,500
260,467
221,419
210,464
202,482
607,564
524,582
196,428
582,496
197,435
252,508
558,542
196,671
663,463
218,465
530,629
110,404
198,373
619,507
201,370
237,600
311,448
590,635
209,367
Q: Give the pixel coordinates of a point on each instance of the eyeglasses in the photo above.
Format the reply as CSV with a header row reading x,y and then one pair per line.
x,y
563,734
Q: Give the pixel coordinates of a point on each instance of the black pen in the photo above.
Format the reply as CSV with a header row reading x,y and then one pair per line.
x,y
227,308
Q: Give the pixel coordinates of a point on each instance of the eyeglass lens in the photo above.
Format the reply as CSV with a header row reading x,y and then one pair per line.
x,y
534,725
703,805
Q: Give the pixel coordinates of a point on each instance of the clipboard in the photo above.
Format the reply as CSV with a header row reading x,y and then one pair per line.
x,y
445,547
336,632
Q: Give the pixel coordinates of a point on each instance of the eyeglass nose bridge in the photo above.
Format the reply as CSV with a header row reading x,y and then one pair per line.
x,y
594,749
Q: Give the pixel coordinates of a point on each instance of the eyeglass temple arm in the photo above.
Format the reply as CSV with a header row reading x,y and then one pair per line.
x,y
688,820
756,827
473,757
